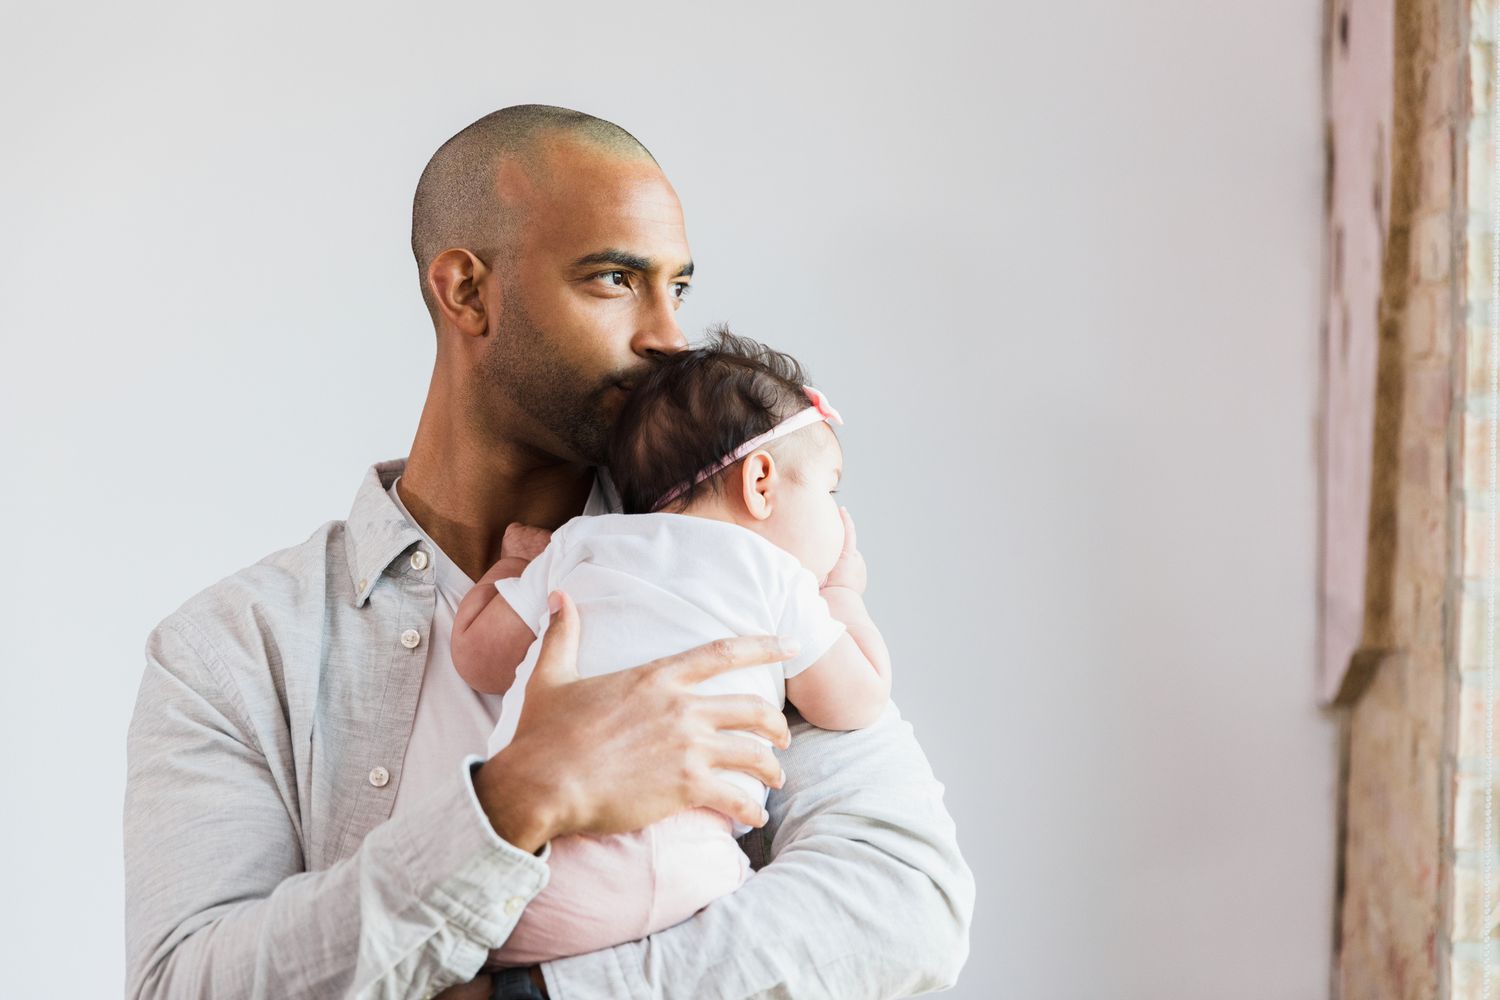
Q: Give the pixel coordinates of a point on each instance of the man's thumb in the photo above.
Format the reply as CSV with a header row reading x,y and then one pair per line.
x,y
557,663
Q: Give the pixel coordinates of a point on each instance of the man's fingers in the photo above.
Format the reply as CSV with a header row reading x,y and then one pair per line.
x,y
724,655
557,662
741,753
721,795
747,712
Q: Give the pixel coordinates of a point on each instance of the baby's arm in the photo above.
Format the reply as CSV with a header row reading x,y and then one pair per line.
x,y
848,686
489,639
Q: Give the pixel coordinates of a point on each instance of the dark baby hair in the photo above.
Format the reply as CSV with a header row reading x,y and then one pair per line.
x,y
693,408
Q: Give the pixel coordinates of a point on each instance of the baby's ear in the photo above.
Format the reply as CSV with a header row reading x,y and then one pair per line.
x,y
758,479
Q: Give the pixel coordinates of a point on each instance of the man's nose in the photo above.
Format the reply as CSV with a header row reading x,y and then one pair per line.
x,y
658,334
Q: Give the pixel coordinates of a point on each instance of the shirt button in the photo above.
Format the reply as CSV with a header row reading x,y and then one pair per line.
x,y
362,584
410,638
419,560
513,904
379,776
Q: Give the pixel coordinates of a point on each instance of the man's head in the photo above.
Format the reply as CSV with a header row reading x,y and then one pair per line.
x,y
553,257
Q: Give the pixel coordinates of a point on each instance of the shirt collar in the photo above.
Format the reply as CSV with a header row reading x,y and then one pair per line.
x,y
377,531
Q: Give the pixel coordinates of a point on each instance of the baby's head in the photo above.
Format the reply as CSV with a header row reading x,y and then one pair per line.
x,y
698,406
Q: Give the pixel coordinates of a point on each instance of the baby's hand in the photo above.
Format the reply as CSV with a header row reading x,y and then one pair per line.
x,y
522,541
849,571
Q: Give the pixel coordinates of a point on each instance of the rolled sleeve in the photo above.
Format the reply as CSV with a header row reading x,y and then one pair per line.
x,y
218,899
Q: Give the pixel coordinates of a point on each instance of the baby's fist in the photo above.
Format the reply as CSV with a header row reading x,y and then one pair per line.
x,y
522,541
850,570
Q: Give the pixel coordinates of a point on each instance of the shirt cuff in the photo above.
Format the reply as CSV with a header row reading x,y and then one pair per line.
x,y
472,763
450,858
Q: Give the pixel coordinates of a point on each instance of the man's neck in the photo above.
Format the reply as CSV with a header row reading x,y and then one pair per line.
x,y
464,493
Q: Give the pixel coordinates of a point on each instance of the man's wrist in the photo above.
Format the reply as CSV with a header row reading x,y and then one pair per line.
x,y
519,815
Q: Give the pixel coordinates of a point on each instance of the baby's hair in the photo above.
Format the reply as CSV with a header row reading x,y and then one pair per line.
x,y
693,408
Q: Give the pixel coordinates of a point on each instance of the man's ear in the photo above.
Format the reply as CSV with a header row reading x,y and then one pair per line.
x,y
758,477
456,279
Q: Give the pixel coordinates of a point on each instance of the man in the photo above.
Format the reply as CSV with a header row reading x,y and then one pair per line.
x,y
303,815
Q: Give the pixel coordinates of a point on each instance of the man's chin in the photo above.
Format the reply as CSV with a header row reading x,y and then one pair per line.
x,y
590,444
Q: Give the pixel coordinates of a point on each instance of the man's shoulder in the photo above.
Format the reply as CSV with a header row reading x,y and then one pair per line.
x,y
271,597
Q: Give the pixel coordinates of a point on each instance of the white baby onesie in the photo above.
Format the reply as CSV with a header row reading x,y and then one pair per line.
x,y
651,585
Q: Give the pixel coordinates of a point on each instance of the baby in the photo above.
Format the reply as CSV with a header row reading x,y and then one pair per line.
x,y
725,463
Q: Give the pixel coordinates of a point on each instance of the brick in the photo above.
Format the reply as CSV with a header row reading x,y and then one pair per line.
x,y
1432,237
1430,396
1418,333
1471,630
1468,811
1450,30
1440,91
1480,75
1473,708
1479,350
1437,167
1477,155
1468,982
1477,254
1417,466
1476,545
1477,434
1468,882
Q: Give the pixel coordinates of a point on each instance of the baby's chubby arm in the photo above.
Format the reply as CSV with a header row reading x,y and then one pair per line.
x,y
848,687
489,639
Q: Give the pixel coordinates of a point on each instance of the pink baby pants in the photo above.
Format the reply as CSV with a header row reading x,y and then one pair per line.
x,y
606,890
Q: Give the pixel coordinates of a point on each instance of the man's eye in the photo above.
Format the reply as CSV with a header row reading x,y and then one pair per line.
x,y
683,288
611,276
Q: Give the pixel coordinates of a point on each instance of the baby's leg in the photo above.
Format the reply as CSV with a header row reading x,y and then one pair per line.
x,y
598,895
604,891
697,861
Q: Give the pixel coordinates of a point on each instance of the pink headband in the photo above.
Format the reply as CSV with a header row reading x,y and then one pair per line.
x,y
819,410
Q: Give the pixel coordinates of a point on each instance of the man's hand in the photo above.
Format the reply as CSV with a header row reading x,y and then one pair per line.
x,y
849,572
615,753
523,541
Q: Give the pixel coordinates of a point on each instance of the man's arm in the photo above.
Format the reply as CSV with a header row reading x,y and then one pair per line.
x,y
866,895
218,901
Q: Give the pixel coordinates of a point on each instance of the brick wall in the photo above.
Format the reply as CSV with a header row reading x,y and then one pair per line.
x,y
1470,941
1397,927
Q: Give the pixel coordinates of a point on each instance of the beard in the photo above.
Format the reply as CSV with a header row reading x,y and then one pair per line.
x,y
525,365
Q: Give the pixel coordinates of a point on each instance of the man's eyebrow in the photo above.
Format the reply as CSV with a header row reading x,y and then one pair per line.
x,y
624,258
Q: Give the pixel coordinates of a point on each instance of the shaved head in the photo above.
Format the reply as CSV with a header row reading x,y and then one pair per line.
x,y
472,192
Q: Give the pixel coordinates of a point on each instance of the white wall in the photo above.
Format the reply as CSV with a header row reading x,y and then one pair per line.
x,y
1057,264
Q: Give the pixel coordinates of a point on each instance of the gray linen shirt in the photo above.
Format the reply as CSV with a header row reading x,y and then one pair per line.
x,y
261,858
